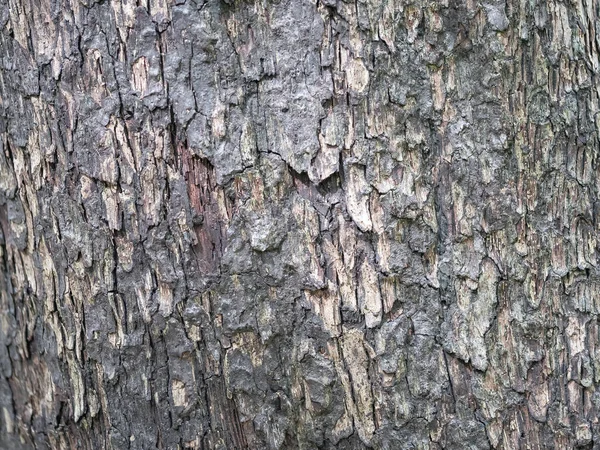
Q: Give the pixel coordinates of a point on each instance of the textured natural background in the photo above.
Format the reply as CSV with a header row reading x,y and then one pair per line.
x,y
299,224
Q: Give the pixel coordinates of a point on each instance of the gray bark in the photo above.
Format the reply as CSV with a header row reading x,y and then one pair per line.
x,y
299,224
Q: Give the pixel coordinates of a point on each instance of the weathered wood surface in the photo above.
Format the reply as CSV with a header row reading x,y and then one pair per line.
x,y
299,224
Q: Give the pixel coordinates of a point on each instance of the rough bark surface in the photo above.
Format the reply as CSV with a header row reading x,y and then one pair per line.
x,y
299,224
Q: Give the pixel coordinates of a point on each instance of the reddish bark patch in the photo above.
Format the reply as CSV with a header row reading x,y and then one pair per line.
x,y
208,210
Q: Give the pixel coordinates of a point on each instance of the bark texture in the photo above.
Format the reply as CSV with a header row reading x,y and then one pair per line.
x,y
299,224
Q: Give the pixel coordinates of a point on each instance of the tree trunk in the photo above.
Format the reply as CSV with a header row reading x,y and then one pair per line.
x,y
299,224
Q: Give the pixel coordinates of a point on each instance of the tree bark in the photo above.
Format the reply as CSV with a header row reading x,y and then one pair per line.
x,y
299,224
